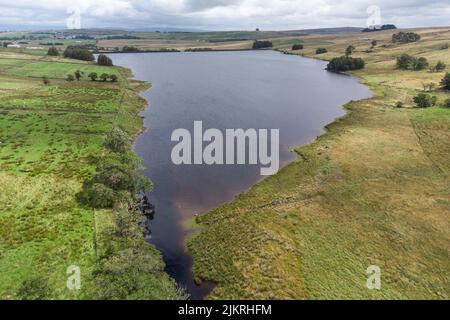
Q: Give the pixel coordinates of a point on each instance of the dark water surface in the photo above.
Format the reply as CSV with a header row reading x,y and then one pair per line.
x,y
248,89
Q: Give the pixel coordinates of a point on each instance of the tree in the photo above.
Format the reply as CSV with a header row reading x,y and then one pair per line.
x,y
45,80
262,44
345,63
374,43
78,75
405,37
78,53
349,50
321,50
117,140
52,51
423,100
404,61
113,78
104,77
93,76
446,82
297,47
104,60
70,78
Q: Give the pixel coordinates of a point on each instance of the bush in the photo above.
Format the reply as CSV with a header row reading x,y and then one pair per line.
x,y
130,49
447,103
446,82
36,288
45,80
423,100
79,54
52,51
262,44
407,62
399,104
78,75
104,60
439,67
297,47
345,63
321,50
70,78
405,37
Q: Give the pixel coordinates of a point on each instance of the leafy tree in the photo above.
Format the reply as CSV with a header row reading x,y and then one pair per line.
x,y
104,60
404,61
297,47
78,53
117,140
405,37
78,75
70,78
349,50
113,78
52,51
345,63
321,50
93,76
104,77
35,288
423,100
45,80
374,43
446,82
262,44
97,195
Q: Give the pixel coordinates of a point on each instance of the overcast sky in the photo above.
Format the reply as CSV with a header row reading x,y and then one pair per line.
x,y
223,14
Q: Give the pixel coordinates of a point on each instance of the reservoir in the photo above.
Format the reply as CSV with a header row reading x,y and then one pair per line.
x,y
224,90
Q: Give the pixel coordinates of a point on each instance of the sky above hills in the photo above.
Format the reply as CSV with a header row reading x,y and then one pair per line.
x,y
221,14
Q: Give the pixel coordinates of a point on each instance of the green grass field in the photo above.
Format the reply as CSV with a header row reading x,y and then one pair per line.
x,y
374,190
50,137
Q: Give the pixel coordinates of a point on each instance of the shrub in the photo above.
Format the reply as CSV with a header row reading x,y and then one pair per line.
x,y
446,82
423,100
349,50
407,62
36,288
447,103
262,44
405,37
399,104
321,50
297,47
97,195
45,80
70,78
130,49
52,51
104,60
345,63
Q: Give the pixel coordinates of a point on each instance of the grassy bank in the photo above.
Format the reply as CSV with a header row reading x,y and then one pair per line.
x,y
51,141
374,190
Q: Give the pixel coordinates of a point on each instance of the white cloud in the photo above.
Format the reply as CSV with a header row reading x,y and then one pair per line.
x,y
223,14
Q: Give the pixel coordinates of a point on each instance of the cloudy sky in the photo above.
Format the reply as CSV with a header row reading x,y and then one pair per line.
x,y
222,14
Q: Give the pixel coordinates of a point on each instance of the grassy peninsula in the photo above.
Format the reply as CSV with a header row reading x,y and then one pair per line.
x,y
374,190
